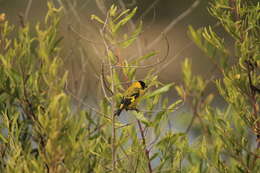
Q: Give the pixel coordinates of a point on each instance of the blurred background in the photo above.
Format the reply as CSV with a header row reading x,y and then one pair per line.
x,y
83,53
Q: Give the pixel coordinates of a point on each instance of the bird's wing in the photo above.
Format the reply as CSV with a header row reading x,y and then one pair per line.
x,y
127,100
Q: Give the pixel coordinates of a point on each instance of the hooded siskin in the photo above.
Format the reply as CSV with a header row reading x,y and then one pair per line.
x,y
131,97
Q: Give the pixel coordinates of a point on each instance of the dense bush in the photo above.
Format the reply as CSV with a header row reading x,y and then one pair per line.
x,y
42,131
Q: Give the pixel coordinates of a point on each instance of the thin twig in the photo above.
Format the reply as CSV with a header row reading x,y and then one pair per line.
x,y
173,58
101,6
104,90
96,129
104,79
190,125
74,10
87,105
145,147
149,8
83,37
151,65
82,77
174,22
187,45
127,156
113,146
27,10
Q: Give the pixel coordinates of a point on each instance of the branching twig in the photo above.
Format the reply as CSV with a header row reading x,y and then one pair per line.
x,y
196,115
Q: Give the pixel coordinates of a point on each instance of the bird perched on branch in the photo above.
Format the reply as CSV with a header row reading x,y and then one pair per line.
x,y
131,97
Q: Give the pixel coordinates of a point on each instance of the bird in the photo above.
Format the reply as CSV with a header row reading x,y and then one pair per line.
x,y
131,97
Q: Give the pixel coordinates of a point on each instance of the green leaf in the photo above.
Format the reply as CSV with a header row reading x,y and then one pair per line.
x,y
186,70
174,105
94,17
3,138
140,116
159,91
124,20
113,10
196,36
180,91
121,14
158,117
145,57
133,37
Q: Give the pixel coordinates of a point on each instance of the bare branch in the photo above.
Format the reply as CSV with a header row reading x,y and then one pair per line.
x,y
145,147
83,37
27,10
149,8
101,6
151,65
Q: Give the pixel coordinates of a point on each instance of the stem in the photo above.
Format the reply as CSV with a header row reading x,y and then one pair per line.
x,y
111,71
196,115
113,144
146,151
113,121
190,125
29,5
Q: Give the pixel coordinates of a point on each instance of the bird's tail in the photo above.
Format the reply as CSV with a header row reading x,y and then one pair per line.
x,y
118,112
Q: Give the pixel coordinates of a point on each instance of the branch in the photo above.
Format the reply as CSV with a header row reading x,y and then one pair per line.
x,y
145,147
113,145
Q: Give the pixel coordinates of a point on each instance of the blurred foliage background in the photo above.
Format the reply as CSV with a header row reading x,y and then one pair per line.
x,y
156,16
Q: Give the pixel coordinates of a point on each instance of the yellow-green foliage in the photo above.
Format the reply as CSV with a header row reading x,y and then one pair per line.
x,y
40,131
